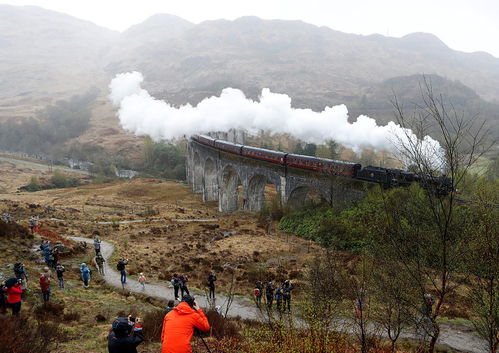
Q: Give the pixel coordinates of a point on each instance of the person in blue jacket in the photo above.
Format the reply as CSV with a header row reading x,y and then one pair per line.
x,y
85,274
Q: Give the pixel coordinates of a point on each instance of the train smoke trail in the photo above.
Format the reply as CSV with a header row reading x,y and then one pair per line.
x,y
142,114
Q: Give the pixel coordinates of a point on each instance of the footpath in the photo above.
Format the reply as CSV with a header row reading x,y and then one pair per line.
x,y
462,340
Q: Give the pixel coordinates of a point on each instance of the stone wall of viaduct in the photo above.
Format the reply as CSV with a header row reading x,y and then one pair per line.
x,y
238,182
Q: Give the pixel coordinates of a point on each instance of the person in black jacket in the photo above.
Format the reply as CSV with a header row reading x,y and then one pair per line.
x,y
211,284
121,267
126,335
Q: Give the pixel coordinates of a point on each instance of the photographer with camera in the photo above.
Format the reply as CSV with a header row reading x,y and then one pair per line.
x,y
14,289
126,335
121,266
179,325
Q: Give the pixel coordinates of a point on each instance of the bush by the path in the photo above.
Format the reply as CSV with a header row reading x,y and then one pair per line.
x,y
21,335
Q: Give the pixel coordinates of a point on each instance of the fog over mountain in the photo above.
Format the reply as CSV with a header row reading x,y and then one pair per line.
x,y
47,56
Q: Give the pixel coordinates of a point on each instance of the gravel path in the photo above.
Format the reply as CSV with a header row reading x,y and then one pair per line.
x,y
457,339
240,306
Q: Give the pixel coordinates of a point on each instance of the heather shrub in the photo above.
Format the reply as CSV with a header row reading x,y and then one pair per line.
x,y
153,324
21,335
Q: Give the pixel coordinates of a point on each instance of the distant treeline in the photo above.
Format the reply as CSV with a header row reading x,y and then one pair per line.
x,y
51,127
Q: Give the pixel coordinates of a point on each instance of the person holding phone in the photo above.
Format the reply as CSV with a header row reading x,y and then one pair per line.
x,y
126,335
179,325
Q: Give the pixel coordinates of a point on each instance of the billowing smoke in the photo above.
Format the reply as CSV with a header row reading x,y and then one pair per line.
x,y
142,114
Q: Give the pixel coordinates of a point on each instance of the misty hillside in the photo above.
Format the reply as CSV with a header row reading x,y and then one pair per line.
x,y
315,65
47,56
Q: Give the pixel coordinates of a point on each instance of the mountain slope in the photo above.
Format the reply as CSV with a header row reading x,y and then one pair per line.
x,y
317,66
46,56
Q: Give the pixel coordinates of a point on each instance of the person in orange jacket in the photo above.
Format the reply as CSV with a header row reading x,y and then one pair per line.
x,y
179,325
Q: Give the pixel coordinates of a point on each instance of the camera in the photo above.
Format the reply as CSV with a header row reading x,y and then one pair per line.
x,y
132,318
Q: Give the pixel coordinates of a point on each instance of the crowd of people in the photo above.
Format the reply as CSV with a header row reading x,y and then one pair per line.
x,y
281,295
179,322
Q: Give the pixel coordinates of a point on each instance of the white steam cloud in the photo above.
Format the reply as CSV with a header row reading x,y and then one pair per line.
x,y
142,114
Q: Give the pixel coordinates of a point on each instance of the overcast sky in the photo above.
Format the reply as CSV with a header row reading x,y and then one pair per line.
x,y
466,25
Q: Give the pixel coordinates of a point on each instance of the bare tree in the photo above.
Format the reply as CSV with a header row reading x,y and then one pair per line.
x,y
482,262
324,297
395,299
463,141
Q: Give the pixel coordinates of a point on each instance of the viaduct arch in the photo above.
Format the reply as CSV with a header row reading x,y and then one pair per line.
x,y
238,182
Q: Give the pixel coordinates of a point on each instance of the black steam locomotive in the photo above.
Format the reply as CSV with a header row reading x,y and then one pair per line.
x,y
387,177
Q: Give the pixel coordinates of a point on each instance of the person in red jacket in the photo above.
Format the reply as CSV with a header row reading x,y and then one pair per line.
x,y
45,284
179,325
14,297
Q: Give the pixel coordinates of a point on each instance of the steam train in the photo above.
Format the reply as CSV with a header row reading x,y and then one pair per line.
x,y
387,177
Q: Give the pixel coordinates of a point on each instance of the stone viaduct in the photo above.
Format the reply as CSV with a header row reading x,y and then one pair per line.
x,y
238,182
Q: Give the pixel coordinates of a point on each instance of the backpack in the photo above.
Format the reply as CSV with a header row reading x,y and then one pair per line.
x,y
257,292
278,294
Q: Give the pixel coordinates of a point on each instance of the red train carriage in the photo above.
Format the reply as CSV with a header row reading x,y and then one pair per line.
x,y
230,147
323,165
205,140
264,154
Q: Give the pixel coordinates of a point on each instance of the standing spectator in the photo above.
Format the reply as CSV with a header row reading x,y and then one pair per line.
x,y
179,325
269,294
183,285
176,285
287,287
258,292
14,291
85,274
121,267
360,303
60,275
54,257
426,312
97,242
278,298
99,260
142,281
33,224
45,284
47,254
211,284
20,273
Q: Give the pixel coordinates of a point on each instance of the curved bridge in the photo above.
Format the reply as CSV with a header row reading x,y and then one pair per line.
x,y
239,182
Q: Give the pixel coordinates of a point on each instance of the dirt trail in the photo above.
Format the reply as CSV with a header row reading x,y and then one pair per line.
x,y
457,339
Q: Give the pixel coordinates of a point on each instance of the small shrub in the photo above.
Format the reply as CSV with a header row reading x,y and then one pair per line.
x,y
100,318
221,327
153,324
37,337
49,311
72,316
